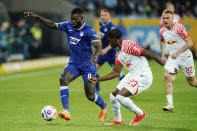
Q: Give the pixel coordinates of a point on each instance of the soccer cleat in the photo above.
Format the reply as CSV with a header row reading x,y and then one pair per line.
x,y
138,119
169,107
102,114
114,123
64,115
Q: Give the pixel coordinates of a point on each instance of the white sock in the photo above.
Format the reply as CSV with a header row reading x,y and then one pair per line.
x,y
128,103
115,106
169,99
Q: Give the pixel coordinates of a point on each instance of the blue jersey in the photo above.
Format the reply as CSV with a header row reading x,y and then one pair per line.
x,y
80,42
104,29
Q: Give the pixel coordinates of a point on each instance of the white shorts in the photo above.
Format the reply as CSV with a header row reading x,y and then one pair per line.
x,y
136,83
185,63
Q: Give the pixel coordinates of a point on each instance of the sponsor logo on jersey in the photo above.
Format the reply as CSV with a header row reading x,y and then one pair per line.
x,y
171,42
74,40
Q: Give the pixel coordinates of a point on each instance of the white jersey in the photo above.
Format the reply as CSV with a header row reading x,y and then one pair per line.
x,y
129,56
174,38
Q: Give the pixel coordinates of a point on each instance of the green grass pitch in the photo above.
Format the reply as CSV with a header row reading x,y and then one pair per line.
x,y
23,95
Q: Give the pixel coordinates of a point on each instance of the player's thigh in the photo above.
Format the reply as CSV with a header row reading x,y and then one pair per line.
x,y
69,73
171,66
187,65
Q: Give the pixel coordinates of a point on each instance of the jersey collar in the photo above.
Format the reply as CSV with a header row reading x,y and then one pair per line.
x,y
81,27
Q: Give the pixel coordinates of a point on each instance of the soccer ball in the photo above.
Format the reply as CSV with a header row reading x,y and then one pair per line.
x,y
49,113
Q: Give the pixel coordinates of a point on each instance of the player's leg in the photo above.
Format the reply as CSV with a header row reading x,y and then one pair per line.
x,y
66,77
169,92
192,81
133,85
188,68
96,98
171,69
115,106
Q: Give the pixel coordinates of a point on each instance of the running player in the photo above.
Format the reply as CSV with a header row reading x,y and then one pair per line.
x,y
107,54
80,37
176,38
137,80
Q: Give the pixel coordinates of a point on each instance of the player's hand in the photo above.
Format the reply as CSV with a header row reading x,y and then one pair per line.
x,y
174,56
94,59
30,14
93,79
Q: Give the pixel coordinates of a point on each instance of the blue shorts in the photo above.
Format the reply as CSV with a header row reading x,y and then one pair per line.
x,y
85,71
110,58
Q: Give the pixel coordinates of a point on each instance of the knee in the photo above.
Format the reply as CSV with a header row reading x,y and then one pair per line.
x,y
91,97
63,81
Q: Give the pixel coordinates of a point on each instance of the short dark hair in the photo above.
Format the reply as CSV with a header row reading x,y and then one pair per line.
x,y
77,11
114,34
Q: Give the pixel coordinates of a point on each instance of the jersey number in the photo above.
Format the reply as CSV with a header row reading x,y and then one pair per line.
x,y
189,70
133,83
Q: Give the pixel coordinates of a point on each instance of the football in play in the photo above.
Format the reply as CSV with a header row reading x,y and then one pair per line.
x,y
49,113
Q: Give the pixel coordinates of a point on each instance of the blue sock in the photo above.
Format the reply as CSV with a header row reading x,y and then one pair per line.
x,y
64,93
121,76
99,101
97,84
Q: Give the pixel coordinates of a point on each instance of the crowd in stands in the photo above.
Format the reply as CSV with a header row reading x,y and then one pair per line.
x,y
138,8
17,39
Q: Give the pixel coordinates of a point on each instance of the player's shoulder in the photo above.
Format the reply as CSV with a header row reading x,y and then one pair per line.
x,y
179,25
88,28
162,30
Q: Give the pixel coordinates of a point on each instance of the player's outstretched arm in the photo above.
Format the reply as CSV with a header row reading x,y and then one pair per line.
x,y
110,76
188,45
153,56
46,22
97,52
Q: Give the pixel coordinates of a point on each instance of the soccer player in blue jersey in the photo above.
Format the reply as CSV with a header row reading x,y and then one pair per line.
x,y
82,61
107,54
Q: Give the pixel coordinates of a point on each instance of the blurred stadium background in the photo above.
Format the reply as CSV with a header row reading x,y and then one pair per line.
x,y
27,39
28,45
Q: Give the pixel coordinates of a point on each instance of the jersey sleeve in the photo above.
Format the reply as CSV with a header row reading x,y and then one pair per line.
x,y
132,48
182,31
160,34
117,62
63,26
93,35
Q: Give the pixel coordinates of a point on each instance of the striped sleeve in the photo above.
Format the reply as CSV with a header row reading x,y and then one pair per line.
x,y
182,31
130,48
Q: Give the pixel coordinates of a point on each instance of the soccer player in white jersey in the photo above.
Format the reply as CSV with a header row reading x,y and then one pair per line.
x,y
176,38
136,81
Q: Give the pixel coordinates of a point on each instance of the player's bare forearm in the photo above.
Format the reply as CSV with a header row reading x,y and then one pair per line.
x,y
162,47
46,22
97,47
188,45
113,74
153,56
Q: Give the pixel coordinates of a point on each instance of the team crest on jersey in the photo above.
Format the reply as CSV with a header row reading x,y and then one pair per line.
x,y
81,34
105,29
127,64
171,42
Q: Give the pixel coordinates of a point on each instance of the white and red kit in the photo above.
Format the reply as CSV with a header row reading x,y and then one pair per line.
x,y
139,77
175,40
176,19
